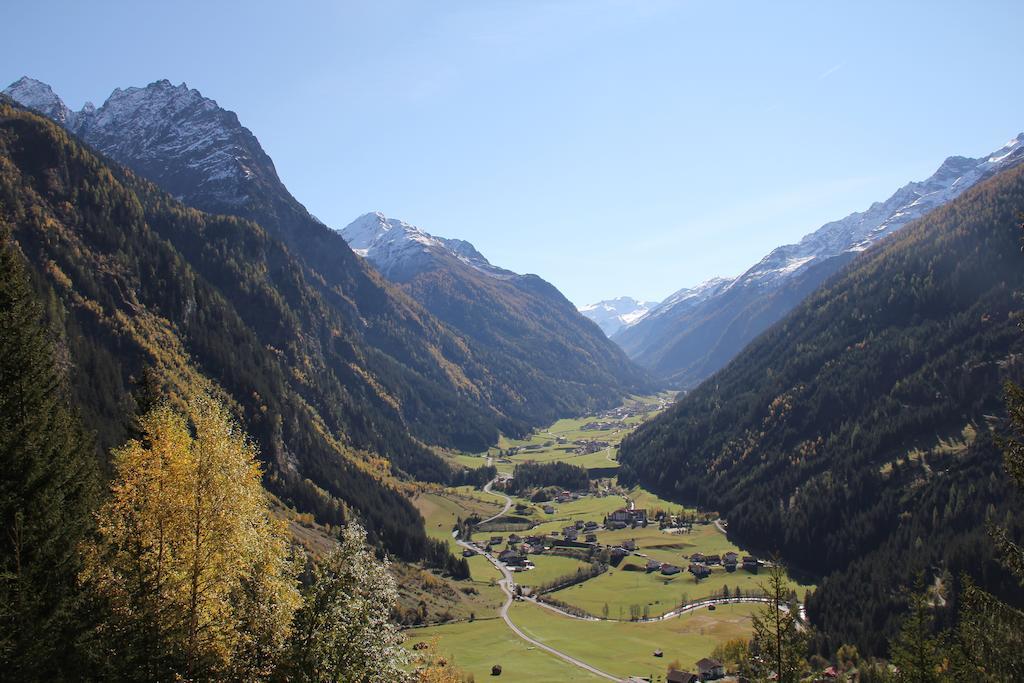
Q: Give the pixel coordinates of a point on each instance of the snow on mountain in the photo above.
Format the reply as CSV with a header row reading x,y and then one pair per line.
x,y
40,96
697,330
859,230
689,297
172,134
612,315
399,250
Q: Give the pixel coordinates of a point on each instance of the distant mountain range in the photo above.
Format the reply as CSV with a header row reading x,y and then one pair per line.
x,y
698,330
612,315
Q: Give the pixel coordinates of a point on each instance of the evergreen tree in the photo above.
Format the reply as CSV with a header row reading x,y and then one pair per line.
x,y
778,641
918,652
343,631
991,633
48,483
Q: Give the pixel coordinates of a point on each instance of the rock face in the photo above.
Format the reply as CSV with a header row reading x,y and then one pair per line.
x,y
612,315
696,331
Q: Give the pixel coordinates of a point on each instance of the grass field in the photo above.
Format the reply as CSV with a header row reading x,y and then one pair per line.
x,y
440,512
548,568
476,646
620,589
625,649
586,508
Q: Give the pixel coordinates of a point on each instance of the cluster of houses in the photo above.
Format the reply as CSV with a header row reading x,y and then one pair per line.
x,y
583,446
604,425
700,564
622,518
631,410
589,529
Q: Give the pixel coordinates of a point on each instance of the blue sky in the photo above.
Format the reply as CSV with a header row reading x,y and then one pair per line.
x,y
615,148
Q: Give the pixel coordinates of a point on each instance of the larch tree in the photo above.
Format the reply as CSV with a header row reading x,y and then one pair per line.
x,y
343,633
778,641
48,486
195,570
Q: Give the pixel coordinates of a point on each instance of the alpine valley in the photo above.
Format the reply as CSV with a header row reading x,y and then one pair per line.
x,y
242,445
301,322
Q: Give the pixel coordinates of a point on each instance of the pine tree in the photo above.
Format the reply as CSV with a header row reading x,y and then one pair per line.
x,y
918,652
990,632
343,631
194,568
777,638
48,484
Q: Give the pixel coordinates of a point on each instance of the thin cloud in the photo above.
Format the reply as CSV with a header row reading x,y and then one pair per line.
x,y
831,71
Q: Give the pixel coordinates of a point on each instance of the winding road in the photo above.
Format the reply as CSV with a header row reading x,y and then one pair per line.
x,y
507,584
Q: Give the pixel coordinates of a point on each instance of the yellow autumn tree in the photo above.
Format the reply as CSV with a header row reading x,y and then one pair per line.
x,y
194,570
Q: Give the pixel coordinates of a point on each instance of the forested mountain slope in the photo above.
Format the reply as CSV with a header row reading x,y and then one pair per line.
x,y
451,387
856,436
145,289
557,362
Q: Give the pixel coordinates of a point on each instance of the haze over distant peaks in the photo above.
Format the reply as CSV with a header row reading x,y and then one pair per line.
x,y
611,315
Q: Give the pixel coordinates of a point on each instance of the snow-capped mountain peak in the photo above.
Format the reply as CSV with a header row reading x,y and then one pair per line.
x,y
400,250
612,315
858,231
40,96
171,134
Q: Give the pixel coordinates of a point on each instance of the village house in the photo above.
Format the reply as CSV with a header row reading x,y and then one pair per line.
x,y
750,563
514,538
512,558
619,553
713,559
591,538
621,515
653,565
670,569
579,525
676,676
629,545
549,510
468,552
570,533
590,525
710,669
699,570
730,560
624,516
698,557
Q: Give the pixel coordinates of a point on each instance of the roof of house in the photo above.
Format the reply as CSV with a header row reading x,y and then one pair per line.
x,y
675,676
707,664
